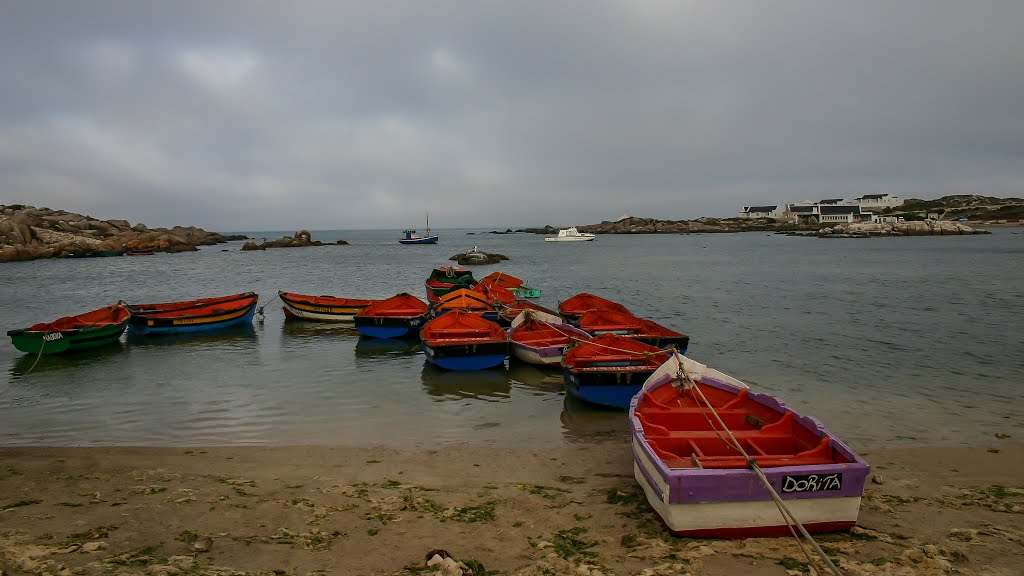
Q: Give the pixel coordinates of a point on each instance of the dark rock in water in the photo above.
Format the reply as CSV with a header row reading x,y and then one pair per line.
x,y
474,257
342,242
301,239
548,229
507,231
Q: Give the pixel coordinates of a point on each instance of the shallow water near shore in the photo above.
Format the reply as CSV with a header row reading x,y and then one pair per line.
x,y
890,342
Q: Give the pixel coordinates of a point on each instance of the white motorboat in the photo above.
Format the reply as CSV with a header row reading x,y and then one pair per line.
x,y
570,235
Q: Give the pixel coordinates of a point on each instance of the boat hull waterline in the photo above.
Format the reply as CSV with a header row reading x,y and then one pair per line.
x,y
204,315
322,308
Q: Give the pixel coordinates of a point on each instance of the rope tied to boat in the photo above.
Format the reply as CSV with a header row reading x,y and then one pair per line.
x,y
644,354
787,514
260,309
41,348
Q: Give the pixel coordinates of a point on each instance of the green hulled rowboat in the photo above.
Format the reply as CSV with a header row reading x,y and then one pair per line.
x,y
73,333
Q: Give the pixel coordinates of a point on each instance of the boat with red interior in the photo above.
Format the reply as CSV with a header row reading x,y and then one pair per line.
x,y
200,315
496,294
73,333
609,369
464,341
445,279
394,317
515,285
699,482
584,302
609,321
539,338
466,300
321,308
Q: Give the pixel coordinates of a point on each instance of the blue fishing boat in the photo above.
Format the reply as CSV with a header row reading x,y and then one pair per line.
x,y
461,340
610,369
202,315
394,317
411,237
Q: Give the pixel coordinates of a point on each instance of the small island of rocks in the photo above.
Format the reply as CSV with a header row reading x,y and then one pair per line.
x,y
30,233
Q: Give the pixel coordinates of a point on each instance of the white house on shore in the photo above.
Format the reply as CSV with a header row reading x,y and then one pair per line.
x,y
828,211
760,212
878,202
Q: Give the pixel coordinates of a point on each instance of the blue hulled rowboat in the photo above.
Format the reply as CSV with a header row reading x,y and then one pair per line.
x,y
394,317
464,341
202,315
609,369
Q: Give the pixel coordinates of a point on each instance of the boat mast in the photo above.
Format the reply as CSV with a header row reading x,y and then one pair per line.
x,y
428,224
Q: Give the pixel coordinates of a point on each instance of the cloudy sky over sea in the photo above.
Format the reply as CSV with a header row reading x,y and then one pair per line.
x,y
338,115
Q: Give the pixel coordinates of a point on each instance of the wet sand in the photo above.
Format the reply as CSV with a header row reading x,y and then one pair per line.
x,y
569,510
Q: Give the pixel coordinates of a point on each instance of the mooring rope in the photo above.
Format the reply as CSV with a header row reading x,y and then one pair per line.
x,y
648,355
40,355
260,309
787,514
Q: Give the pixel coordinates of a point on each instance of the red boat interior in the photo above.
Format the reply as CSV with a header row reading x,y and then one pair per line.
x,y
607,320
403,305
326,300
613,351
539,334
584,302
678,427
649,328
200,308
495,293
108,315
461,327
502,279
463,299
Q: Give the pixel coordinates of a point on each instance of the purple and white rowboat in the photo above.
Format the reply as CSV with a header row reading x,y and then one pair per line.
x,y
701,487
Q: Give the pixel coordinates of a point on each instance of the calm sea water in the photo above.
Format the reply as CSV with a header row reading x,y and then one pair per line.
x,y
909,341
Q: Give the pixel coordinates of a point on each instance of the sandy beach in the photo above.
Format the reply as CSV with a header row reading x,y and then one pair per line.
x,y
301,510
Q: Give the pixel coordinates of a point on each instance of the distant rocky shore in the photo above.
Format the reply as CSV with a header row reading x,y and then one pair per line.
x,y
634,225
30,233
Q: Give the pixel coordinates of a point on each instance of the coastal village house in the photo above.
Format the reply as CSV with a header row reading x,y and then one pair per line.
x,y
827,211
760,212
878,202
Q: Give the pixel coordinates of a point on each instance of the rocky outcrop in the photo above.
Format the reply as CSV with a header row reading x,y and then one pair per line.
x,y
301,239
29,233
635,225
476,257
914,228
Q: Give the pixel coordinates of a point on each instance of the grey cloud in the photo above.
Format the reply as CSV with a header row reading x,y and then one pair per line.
x,y
256,115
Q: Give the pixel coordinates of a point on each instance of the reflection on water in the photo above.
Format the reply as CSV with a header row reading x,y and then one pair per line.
x,y
535,379
23,365
488,385
301,329
583,421
386,348
232,336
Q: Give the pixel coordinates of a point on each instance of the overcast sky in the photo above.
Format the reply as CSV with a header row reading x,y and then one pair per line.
x,y
342,115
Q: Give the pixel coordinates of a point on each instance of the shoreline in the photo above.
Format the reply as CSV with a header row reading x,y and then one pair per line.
x,y
353,510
